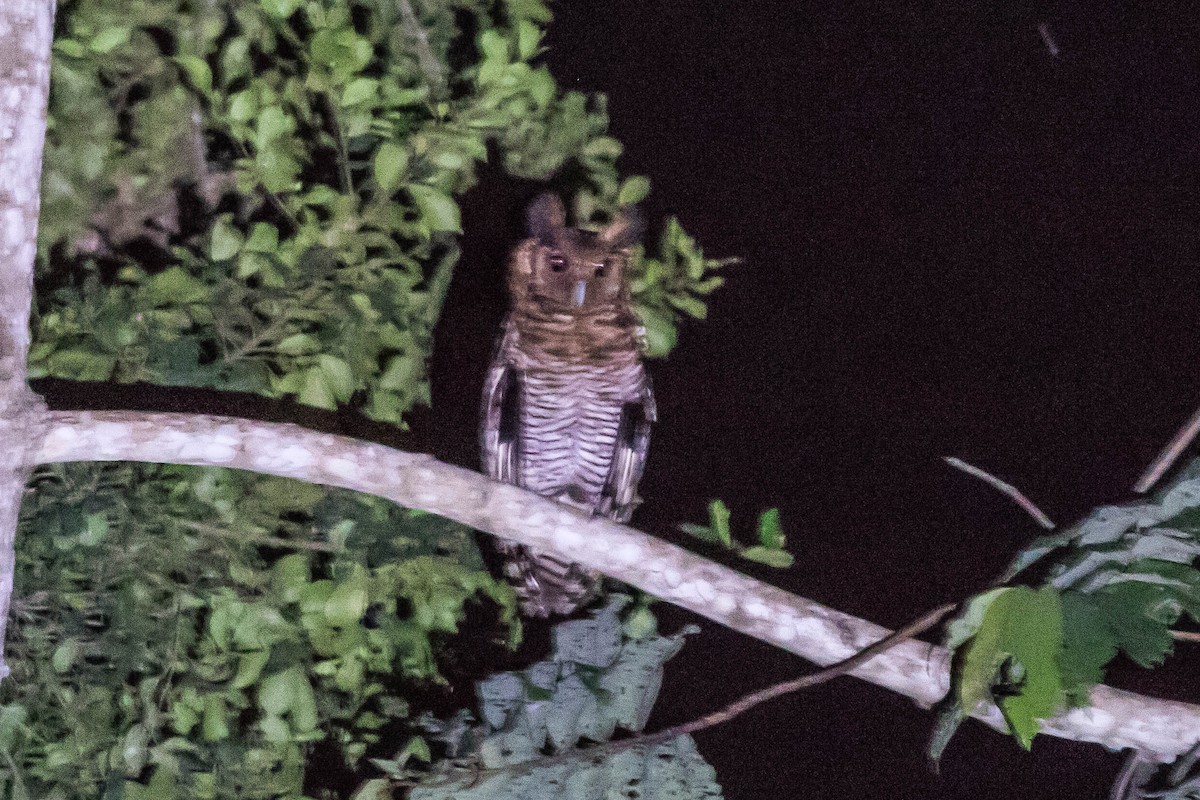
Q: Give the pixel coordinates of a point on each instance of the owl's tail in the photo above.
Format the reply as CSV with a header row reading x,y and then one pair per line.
x,y
547,584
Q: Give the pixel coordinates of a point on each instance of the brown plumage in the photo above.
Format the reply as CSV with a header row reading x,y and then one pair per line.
x,y
567,404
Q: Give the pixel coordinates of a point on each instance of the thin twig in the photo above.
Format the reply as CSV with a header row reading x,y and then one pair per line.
x,y
339,139
1048,39
430,64
1169,454
1185,636
265,541
738,707
1006,488
439,284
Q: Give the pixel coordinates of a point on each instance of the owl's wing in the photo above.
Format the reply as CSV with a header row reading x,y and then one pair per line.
x,y
499,426
629,456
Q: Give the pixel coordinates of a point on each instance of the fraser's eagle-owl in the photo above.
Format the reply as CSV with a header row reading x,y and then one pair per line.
x,y
567,403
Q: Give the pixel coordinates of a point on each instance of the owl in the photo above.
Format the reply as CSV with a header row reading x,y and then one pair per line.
x,y
567,403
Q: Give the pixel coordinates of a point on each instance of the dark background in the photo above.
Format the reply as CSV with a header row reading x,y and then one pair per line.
x,y
955,243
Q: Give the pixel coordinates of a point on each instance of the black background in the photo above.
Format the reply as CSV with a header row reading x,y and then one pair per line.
x,y
955,243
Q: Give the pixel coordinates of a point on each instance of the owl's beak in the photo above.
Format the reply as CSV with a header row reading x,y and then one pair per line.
x,y
580,292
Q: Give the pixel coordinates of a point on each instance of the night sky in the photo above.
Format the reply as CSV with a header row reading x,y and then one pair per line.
x,y
955,243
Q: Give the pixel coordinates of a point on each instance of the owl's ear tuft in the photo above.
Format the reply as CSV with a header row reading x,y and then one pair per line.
x,y
545,216
625,230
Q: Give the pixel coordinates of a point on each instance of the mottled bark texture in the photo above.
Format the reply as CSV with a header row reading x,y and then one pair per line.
x,y
25,33
1158,728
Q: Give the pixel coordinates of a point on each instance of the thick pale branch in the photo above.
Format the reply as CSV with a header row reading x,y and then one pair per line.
x,y
1160,729
25,31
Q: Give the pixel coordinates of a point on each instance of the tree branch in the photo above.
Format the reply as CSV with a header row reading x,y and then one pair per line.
x,y
25,30
1160,729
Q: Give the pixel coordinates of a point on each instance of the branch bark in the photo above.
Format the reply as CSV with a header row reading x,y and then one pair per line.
x,y
1160,729
25,31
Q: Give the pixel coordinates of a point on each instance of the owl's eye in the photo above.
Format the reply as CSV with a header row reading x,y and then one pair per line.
x,y
557,262
603,269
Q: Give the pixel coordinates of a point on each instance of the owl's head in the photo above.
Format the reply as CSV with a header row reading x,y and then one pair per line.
x,y
573,268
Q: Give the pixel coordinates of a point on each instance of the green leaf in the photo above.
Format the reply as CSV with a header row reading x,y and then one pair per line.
x,y
275,692
226,241
660,332
95,529
360,90
348,602
338,376
1140,616
494,47
604,147
528,38
693,307
264,238
174,287
633,190
718,521
402,374
417,747
250,667
1014,659
391,164
770,530
65,656
275,729
1088,645
702,532
109,39
949,718
781,559
316,391
197,70
304,702
967,624
273,122
215,726
438,210
374,789
280,9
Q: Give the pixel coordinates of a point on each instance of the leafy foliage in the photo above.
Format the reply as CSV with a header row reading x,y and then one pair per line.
x,y
597,681
193,637
1116,582
293,167
673,286
771,539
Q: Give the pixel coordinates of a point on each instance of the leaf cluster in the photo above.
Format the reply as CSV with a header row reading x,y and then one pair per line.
x,y
263,197
1117,582
771,539
197,636
597,680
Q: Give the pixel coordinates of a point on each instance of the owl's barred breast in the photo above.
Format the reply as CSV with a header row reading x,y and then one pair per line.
x,y
575,385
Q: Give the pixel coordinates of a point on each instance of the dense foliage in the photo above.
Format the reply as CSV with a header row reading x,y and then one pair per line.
x,y
261,196
601,676
195,630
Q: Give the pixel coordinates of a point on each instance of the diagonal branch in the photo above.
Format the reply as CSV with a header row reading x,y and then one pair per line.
x,y
1160,729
